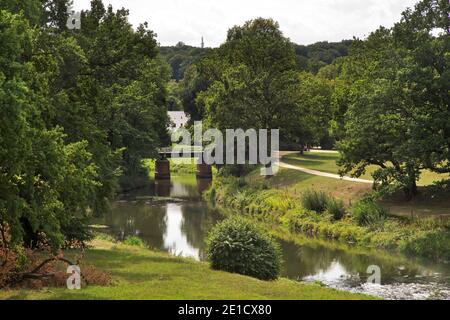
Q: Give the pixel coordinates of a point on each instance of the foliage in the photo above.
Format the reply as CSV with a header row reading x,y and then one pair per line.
x,y
368,213
134,242
430,245
320,202
252,81
315,200
393,89
180,57
235,245
317,56
336,208
276,204
78,109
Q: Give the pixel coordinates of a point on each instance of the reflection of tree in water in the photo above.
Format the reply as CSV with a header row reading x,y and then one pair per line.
x,y
147,222
308,260
197,221
301,261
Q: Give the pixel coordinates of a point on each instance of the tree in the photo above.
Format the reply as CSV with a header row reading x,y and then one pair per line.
x,y
123,89
46,184
423,33
80,108
396,86
255,63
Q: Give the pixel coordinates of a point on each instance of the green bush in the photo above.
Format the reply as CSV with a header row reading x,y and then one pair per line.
x,y
368,213
134,242
432,244
315,200
336,208
237,246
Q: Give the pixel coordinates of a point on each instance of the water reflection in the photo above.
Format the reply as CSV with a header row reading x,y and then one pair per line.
x,y
175,240
343,269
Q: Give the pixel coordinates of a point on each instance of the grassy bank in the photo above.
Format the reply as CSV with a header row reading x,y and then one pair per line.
x,y
277,201
427,203
139,273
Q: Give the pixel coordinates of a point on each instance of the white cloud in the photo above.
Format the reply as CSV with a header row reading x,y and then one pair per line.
x,y
304,22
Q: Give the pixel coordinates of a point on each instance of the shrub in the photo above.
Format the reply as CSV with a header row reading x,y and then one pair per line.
x,y
134,241
315,200
105,237
336,208
432,244
237,246
368,213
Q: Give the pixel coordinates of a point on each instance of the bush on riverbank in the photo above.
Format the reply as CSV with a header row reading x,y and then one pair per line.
x,y
320,202
274,204
336,208
237,246
368,213
315,200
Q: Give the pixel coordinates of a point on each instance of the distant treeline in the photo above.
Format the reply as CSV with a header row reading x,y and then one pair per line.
x,y
309,58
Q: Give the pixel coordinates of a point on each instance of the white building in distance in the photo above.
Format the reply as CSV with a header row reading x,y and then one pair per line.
x,y
178,119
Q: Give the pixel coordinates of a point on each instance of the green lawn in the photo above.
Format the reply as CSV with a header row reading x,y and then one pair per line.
x,y
423,205
326,162
139,273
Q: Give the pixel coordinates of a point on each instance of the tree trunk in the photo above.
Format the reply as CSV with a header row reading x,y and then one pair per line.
x,y
411,190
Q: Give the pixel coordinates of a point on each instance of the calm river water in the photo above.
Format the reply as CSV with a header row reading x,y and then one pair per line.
x,y
180,227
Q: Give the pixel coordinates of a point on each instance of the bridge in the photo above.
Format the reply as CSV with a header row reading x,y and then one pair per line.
x,y
162,165
185,152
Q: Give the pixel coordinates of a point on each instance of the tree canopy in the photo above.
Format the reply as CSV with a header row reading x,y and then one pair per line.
x,y
396,100
80,109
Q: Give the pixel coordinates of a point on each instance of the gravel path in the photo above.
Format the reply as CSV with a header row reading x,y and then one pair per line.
x,y
315,172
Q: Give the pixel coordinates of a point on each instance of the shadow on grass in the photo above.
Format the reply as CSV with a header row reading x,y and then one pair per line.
x,y
313,157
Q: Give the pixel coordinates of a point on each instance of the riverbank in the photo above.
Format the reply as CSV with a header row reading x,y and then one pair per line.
x,y
276,201
142,274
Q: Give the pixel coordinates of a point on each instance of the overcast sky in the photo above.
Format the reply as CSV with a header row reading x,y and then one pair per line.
x,y
303,21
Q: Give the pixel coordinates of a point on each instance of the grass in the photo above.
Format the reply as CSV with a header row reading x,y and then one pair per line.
x,y
426,204
141,274
277,201
326,162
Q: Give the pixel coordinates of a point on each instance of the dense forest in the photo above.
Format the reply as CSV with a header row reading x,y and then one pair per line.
x,y
309,58
81,109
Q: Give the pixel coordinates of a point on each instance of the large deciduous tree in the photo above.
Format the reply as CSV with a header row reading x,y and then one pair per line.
x,y
46,185
78,109
395,89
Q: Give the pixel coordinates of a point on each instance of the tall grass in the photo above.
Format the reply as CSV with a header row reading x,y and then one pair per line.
x,y
315,200
368,213
336,208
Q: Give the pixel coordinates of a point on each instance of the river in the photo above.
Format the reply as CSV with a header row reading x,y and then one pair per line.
x,y
179,225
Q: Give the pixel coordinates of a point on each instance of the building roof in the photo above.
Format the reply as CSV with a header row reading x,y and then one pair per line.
x,y
178,118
